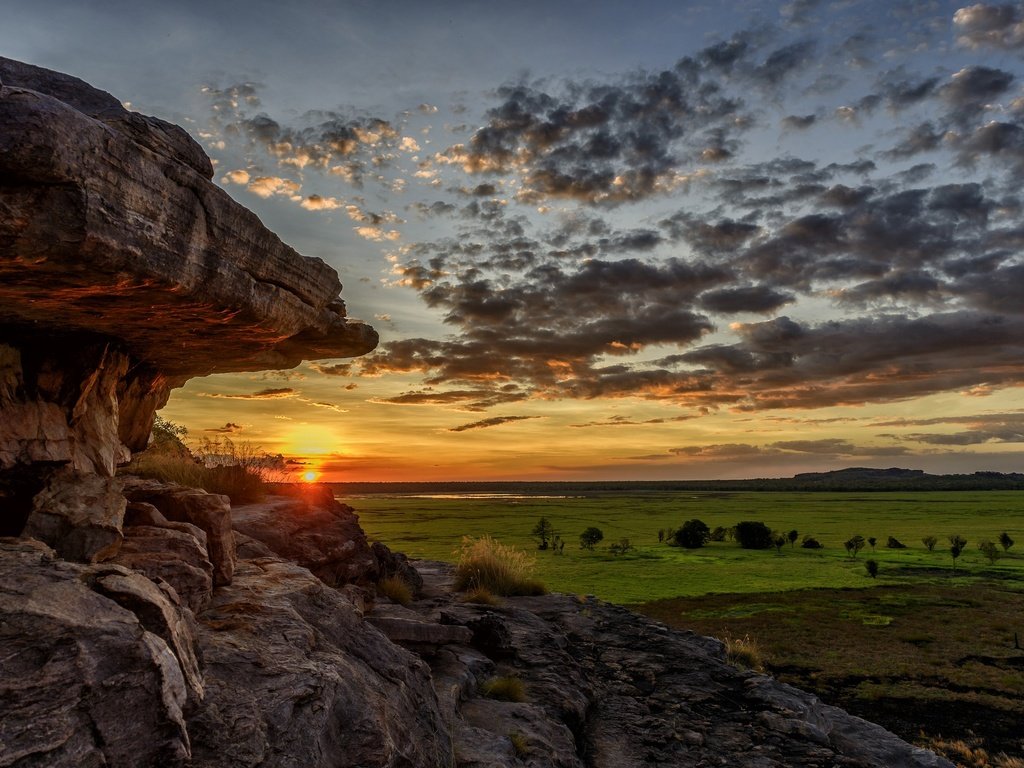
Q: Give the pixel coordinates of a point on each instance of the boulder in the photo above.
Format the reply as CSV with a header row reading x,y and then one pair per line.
x,y
294,677
82,681
210,512
167,551
79,515
316,532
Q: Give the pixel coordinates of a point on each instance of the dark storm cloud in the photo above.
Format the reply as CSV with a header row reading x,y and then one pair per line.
x,y
494,421
757,298
799,122
970,89
989,25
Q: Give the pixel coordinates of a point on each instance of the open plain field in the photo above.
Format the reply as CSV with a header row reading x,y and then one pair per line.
x,y
927,651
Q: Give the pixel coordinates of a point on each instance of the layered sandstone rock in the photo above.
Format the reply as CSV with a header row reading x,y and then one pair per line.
x,y
123,272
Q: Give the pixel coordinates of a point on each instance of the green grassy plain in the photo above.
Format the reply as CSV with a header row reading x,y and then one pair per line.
x,y
925,650
433,528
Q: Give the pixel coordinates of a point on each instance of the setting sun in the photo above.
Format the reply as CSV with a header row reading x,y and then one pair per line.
x,y
309,477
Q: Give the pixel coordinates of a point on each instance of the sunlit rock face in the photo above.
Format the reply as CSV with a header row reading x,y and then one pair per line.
x,y
124,271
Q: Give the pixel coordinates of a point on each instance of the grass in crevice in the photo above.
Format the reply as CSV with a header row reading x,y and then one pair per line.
x,y
488,564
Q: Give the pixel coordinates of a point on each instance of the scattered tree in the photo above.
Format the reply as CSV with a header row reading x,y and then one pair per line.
x,y
590,537
810,542
754,535
872,541
557,545
693,534
622,547
793,536
894,543
872,568
661,535
929,543
544,531
779,540
989,550
1005,541
956,547
854,545
719,533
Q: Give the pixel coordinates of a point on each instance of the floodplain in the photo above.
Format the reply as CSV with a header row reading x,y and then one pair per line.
x,y
930,647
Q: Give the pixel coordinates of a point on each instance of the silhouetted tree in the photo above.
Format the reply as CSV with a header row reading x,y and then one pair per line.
x,y
894,543
693,534
719,533
661,535
854,545
544,531
793,536
590,537
753,535
956,547
872,541
929,543
779,540
810,542
872,568
1005,541
989,550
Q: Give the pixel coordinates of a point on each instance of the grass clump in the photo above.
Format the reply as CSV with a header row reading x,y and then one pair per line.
x,y
519,744
395,588
481,596
507,688
744,652
486,563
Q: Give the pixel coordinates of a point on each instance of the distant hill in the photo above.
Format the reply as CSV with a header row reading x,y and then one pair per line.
x,y
850,479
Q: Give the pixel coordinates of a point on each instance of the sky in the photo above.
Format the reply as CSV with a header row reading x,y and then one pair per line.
x,y
644,240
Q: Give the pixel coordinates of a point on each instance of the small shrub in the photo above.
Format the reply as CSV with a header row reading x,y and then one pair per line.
x,y
1005,541
719,534
506,688
894,543
395,588
621,547
989,550
872,541
810,542
503,570
592,535
929,543
519,745
753,535
744,652
872,568
693,534
779,540
854,545
793,535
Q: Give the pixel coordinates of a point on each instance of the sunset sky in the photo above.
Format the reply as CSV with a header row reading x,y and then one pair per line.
x,y
644,240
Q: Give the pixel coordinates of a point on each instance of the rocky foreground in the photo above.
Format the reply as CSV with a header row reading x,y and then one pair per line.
x,y
149,659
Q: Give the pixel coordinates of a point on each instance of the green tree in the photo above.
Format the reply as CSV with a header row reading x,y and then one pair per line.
x,y
719,533
929,543
779,540
872,568
894,543
957,543
872,541
590,537
753,535
693,534
854,545
810,542
544,531
1005,541
793,535
989,550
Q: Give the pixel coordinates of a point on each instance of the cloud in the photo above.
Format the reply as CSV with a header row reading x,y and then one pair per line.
x,y
268,186
494,421
622,421
995,26
318,203
274,393
981,429
227,429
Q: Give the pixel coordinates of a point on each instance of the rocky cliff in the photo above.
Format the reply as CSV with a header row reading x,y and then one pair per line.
x,y
151,625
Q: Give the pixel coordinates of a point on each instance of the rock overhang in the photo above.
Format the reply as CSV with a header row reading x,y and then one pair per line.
x,y
111,226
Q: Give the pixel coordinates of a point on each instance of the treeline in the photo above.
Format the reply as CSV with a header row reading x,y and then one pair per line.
x,y
856,479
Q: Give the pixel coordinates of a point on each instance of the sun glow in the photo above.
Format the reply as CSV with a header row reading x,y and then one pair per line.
x,y
310,476
309,439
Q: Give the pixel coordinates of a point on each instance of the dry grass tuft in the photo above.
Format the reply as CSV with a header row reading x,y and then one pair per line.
x,y
519,744
481,596
744,652
495,567
968,754
506,688
395,588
